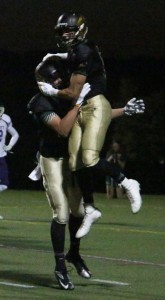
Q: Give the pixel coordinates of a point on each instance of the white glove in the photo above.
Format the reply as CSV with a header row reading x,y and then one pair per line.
x,y
134,106
85,90
47,89
7,148
61,55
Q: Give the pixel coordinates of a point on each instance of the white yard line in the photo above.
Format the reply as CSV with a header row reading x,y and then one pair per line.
x,y
129,261
110,282
16,285
94,280
138,262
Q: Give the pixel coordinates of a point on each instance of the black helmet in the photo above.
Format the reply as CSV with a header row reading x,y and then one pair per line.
x,y
71,22
51,69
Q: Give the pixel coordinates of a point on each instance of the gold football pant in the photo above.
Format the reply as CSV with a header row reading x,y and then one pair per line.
x,y
62,193
88,133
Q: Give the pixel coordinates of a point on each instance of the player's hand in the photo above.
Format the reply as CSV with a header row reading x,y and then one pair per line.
x,y
61,55
85,90
134,106
7,148
47,89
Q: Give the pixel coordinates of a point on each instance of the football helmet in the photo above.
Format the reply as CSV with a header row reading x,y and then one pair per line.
x,y
51,70
71,28
2,109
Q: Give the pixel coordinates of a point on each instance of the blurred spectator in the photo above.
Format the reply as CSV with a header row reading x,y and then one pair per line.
x,y
116,157
6,128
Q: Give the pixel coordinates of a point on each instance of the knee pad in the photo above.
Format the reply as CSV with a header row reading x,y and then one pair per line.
x,y
60,219
59,204
90,157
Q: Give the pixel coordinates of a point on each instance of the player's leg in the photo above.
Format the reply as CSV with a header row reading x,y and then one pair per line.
x,y
96,123
75,149
75,161
131,186
96,117
92,142
76,216
53,172
73,255
4,176
82,175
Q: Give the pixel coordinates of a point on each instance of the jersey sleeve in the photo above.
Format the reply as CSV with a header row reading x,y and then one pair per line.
x,y
42,108
84,55
46,117
7,120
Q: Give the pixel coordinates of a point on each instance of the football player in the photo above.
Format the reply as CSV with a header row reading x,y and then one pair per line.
x,y
55,119
89,131
6,128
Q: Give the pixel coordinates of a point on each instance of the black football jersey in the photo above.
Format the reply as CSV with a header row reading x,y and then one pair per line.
x,y
51,144
86,59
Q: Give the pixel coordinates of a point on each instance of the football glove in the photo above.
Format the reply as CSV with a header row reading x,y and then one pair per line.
x,y
47,89
134,106
85,90
61,55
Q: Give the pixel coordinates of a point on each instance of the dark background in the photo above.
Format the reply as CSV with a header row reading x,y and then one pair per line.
x,y
130,35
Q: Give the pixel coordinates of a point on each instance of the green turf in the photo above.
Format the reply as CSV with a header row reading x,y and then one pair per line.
x,y
121,249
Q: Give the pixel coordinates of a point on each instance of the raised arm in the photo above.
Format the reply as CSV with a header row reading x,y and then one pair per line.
x,y
133,106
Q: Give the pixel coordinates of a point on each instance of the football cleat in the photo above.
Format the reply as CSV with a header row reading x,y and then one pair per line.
x,y
64,280
92,214
79,264
132,188
1,218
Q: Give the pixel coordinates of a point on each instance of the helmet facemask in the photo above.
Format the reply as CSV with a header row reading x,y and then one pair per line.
x,y
67,36
71,29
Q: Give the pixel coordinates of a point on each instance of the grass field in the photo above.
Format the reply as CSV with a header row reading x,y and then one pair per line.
x,y
125,252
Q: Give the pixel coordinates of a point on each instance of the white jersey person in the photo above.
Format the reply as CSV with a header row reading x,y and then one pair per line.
x,y
6,128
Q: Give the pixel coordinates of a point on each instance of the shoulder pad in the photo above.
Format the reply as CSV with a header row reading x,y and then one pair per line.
x,y
6,118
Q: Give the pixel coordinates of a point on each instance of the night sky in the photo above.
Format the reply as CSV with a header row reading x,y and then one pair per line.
x,y
122,28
